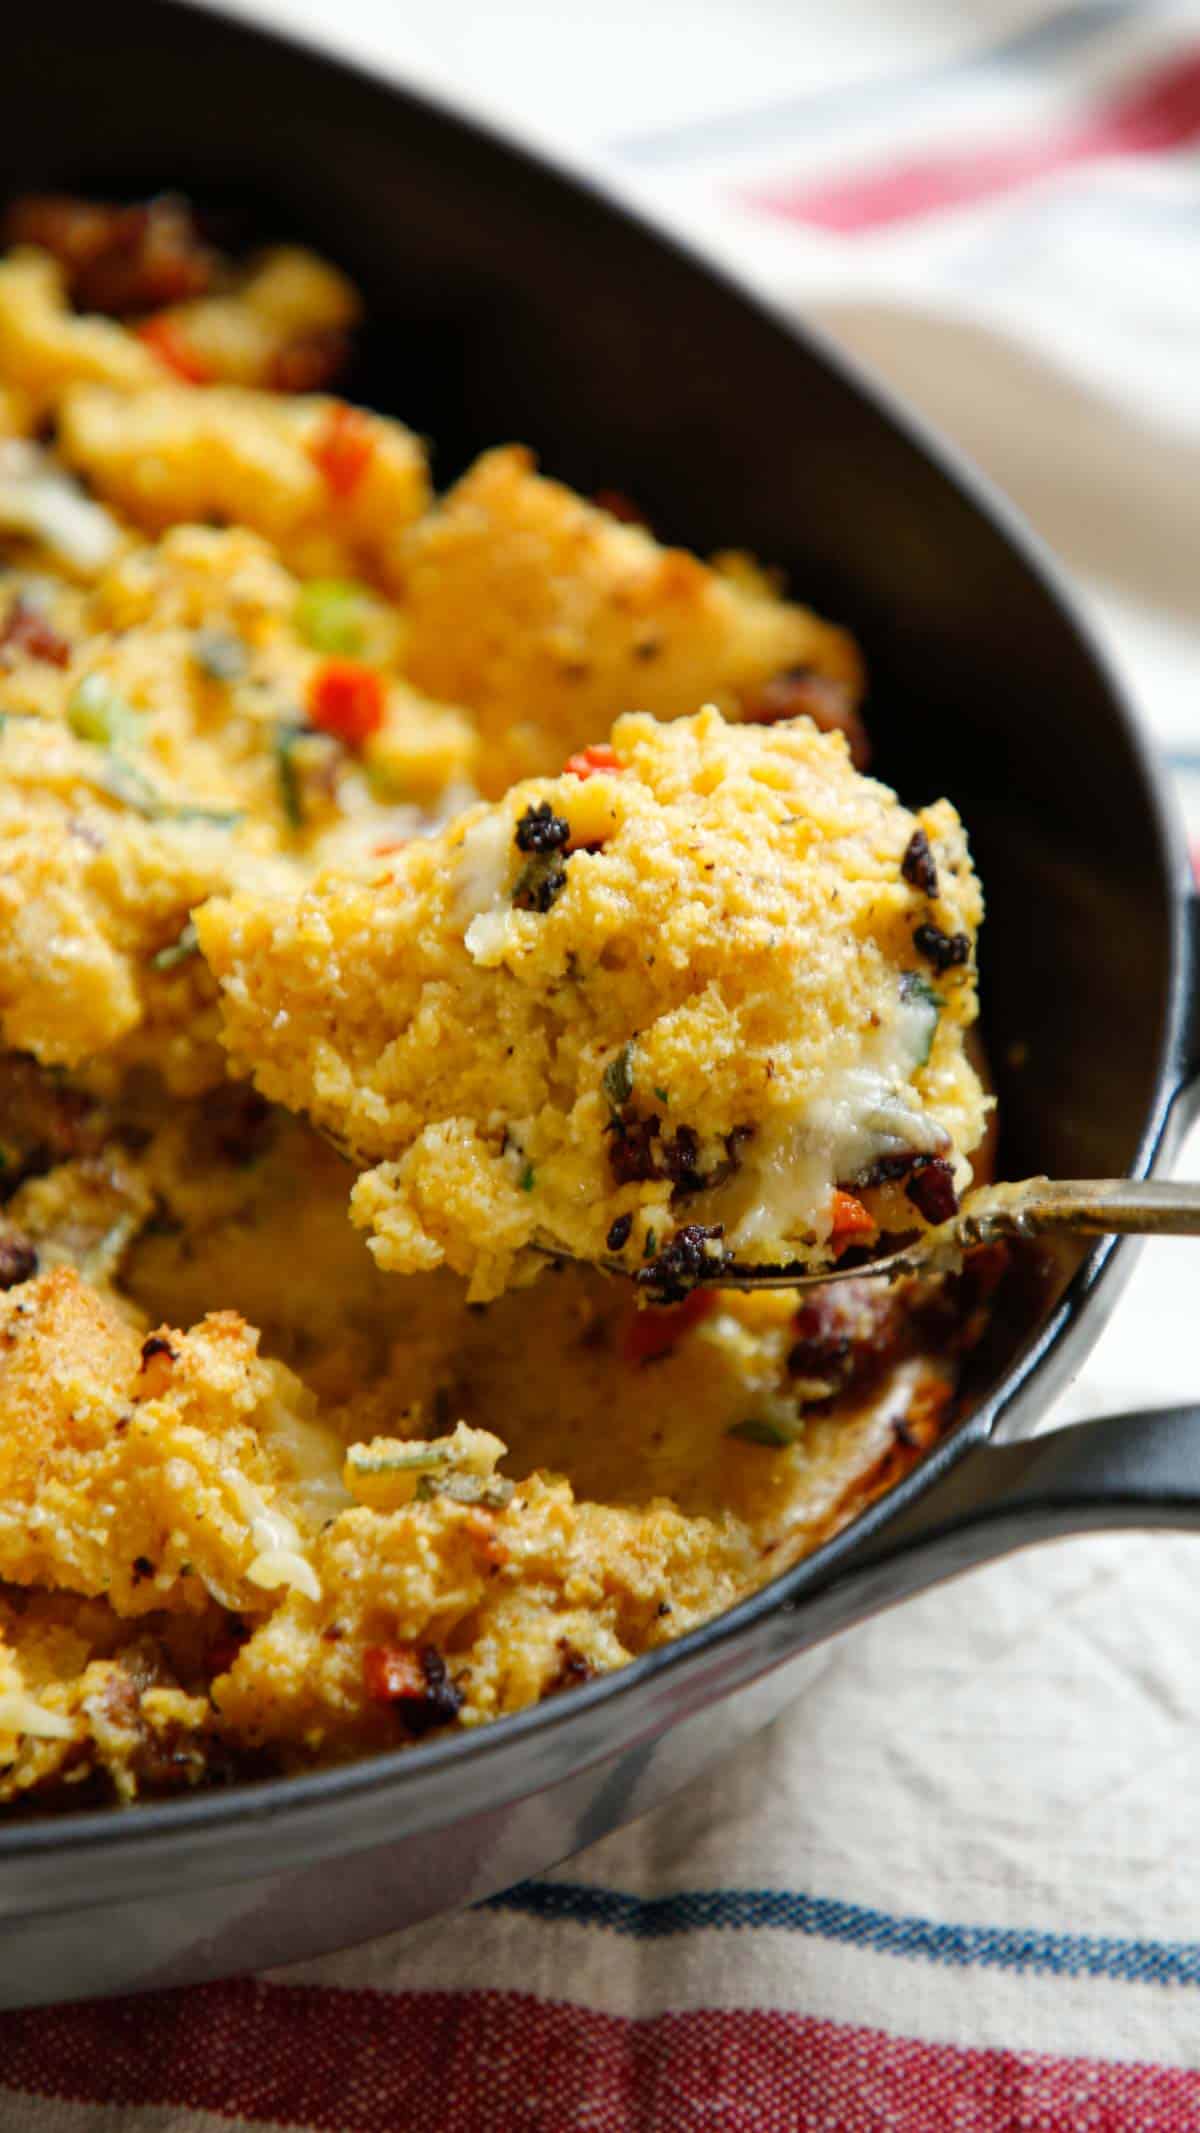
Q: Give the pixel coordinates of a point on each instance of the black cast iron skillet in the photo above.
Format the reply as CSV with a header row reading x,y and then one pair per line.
x,y
507,301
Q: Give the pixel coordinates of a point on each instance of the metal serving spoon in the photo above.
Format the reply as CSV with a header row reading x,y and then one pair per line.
x,y
1081,1207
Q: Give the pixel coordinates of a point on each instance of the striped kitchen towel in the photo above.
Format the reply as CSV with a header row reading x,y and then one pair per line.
x,y
959,1886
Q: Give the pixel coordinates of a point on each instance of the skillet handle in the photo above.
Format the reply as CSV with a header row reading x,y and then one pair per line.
x,y
1134,1470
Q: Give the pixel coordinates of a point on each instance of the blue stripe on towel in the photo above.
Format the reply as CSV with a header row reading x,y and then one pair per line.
x,y
1019,1948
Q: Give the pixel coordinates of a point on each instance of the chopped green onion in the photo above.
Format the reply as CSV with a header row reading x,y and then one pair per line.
x,y
772,1434
220,817
420,1457
97,712
123,782
651,1245
331,614
287,733
220,654
662,1096
618,1078
527,1178
177,951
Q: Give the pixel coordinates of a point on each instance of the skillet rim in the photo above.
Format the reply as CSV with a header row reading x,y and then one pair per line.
x,y
1039,1366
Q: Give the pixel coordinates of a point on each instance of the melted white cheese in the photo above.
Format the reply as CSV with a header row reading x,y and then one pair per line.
x,y
21,1713
39,499
278,1558
481,904
790,1170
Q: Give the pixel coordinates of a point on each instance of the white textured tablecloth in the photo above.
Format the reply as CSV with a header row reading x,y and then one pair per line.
x,y
960,1885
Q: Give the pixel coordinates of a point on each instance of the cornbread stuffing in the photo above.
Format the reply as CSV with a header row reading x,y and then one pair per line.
x,y
401,898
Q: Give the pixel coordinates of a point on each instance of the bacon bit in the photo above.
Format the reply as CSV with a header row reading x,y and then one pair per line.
x,y
18,1260
118,259
347,699
573,1669
601,756
343,447
392,1673
804,692
310,362
413,1679
652,1333
223,1650
932,1190
158,1361
851,1222
618,505
27,630
481,1526
166,337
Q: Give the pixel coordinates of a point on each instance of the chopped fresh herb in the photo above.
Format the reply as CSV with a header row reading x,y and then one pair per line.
x,y
618,1078
220,654
177,951
420,1457
287,733
97,712
220,817
754,1431
923,1004
662,1095
914,985
122,782
331,614
540,883
492,1492
651,1245
527,1178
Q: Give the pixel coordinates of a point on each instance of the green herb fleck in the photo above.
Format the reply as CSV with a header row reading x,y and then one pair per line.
x,y
618,1078
540,882
220,654
220,817
527,1178
124,782
916,990
97,712
177,951
287,733
662,1096
331,614
651,1245
753,1431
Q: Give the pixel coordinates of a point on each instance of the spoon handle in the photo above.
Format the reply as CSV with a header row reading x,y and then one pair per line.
x,y
1082,1207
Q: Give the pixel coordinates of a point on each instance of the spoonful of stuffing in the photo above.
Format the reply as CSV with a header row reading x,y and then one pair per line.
x,y
694,1011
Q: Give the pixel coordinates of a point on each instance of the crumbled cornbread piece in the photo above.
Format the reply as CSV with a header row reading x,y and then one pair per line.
x,y
332,487
547,618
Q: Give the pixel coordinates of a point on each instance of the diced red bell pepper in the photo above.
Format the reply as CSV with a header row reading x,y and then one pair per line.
x,y
170,343
344,447
655,1331
392,1673
602,756
851,1222
347,699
